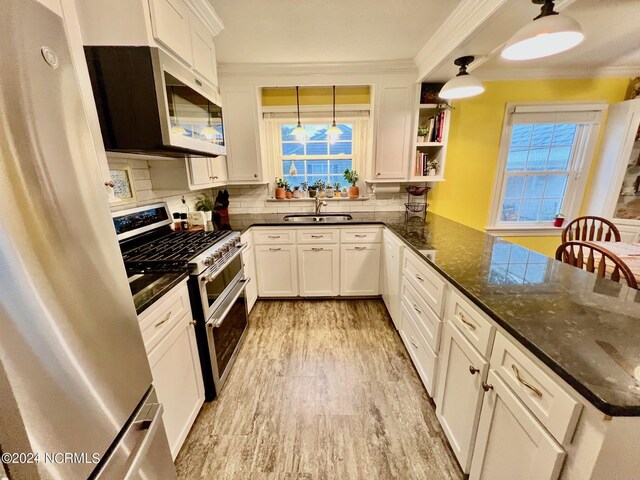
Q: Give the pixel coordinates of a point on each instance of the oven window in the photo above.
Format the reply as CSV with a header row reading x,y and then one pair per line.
x,y
228,334
191,114
217,286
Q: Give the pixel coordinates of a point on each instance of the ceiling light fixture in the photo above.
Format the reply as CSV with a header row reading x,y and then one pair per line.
x,y
334,132
298,132
549,33
208,132
462,85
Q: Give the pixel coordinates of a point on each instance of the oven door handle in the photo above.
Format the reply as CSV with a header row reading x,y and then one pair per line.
x,y
216,320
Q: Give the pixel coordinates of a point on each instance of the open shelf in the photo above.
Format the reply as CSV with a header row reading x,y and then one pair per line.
x,y
429,144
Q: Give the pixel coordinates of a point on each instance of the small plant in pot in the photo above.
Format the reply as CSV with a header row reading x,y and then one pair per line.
x,y
432,167
336,188
281,188
319,185
205,204
297,193
304,186
351,176
288,193
330,191
422,133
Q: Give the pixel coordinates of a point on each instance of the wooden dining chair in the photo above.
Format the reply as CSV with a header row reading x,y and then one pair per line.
x,y
596,259
594,229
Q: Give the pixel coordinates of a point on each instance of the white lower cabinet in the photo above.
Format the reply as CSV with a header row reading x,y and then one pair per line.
x,y
391,275
177,377
424,359
511,443
277,270
319,270
360,269
248,258
459,393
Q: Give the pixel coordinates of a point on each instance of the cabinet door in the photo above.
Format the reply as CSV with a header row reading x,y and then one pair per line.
x,y
204,52
459,393
199,173
170,22
242,135
177,376
511,443
360,269
392,268
318,267
248,258
394,125
277,270
218,170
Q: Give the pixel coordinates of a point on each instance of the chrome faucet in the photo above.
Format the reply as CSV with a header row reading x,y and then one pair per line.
x,y
319,205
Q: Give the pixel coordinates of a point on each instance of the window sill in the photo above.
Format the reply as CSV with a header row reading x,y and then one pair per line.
x,y
549,231
307,199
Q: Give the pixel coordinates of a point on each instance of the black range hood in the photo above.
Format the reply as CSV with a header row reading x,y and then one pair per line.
x,y
150,104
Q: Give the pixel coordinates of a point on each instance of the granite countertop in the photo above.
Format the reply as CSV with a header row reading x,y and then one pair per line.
x,y
585,329
149,287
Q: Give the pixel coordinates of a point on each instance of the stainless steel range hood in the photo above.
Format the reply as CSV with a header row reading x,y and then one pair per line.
x,y
150,104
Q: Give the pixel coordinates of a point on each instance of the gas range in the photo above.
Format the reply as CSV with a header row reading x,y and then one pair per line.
x,y
149,245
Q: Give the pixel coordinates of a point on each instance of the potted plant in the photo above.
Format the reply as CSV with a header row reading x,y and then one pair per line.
x,y
304,186
351,176
281,188
336,188
432,167
312,191
330,191
559,220
297,193
423,131
288,193
319,185
205,204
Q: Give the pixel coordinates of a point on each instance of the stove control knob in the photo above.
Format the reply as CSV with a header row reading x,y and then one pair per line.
x,y
208,261
217,255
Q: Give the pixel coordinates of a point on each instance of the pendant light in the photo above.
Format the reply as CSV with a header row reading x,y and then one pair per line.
x,y
334,132
208,132
549,33
298,132
462,85
177,128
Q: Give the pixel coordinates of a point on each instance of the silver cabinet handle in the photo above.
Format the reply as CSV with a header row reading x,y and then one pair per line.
x,y
537,392
419,278
317,249
466,322
164,320
473,370
417,309
413,342
487,386
275,249
273,236
317,236
361,248
360,236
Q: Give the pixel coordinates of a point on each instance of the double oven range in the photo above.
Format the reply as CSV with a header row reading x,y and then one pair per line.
x,y
216,280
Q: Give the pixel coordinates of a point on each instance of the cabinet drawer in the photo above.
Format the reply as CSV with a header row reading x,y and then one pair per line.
x,y
423,357
361,235
318,235
274,237
426,321
471,323
427,283
161,317
546,399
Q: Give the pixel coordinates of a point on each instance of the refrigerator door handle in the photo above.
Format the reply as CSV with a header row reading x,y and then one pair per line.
x,y
152,416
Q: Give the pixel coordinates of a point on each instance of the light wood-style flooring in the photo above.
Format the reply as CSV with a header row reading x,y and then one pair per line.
x,y
319,390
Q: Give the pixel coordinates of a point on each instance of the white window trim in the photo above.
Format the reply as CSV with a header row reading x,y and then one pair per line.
x,y
577,183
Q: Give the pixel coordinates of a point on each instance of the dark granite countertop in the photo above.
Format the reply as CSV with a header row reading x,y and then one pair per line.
x,y
585,329
149,287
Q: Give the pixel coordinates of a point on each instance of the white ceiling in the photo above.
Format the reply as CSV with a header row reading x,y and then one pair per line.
x,y
612,44
310,31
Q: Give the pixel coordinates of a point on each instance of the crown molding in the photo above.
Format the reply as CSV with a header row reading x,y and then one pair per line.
x,y
208,14
466,19
557,73
262,69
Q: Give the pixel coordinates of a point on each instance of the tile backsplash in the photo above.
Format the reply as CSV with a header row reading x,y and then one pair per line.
x,y
248,198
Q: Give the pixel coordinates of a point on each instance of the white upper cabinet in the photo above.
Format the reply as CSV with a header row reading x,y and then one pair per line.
x,y
189,174
170,21
394,128
204,51
242,133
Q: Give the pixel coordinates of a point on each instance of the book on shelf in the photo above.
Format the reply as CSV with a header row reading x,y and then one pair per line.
x,y
436,129
421,168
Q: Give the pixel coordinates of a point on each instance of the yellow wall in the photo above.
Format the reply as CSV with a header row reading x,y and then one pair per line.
x,y
474,144
345,95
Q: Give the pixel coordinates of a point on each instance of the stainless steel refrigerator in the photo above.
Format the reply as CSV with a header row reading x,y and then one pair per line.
x,y
76,399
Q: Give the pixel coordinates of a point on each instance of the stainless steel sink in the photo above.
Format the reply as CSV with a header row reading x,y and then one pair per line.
x,y
313,218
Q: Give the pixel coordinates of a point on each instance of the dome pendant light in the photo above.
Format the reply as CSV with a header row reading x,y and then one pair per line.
x,y
462,85
208,132
549,33
334,132
298,132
